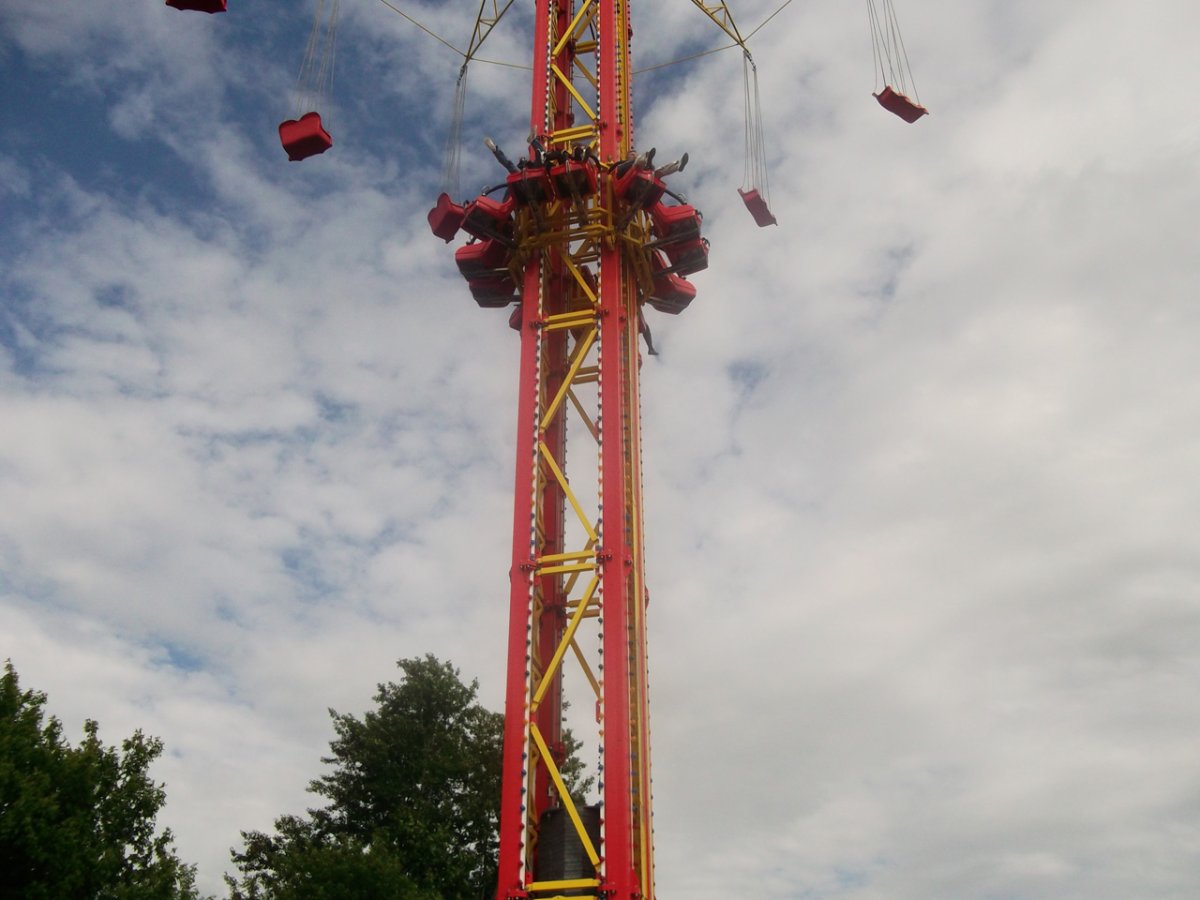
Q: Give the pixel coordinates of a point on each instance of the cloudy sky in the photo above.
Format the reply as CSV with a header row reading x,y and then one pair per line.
x,y
923,462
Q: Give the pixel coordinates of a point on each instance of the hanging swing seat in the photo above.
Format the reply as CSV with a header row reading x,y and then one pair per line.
x,y
675,223
574,180
493,291
486,218
758,208
895,102
480,258
531,184
688,257
208,6
639,187
446,217
671,293
304,137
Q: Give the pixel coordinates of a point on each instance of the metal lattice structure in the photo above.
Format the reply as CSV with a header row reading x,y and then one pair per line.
x,y
577,563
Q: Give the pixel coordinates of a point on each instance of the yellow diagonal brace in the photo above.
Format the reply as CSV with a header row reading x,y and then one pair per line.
x,y
566,82
574,28
561,649
581,350
578,275
587,73
562,482
587,669
723,18
584,837
587,421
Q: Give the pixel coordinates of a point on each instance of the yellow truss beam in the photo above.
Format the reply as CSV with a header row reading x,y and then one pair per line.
x,y
578,24
566,489
567,639
587,420
581,351
563,795
720,14
566,82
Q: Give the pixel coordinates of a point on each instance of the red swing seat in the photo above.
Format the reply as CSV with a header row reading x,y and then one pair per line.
x,y
671,292
304,137
486,218
446,217
208,6
480,258
688,257
493,291
531,185
758,208
895,102
675,223
639,187
574,179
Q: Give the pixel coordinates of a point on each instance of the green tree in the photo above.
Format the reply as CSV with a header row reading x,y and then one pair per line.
x,y
413,802
78,822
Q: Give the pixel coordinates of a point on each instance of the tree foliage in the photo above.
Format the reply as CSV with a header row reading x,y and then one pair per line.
x,y
78,822
413,802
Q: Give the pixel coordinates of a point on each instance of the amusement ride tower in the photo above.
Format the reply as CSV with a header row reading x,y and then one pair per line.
x,y
580,239
584,235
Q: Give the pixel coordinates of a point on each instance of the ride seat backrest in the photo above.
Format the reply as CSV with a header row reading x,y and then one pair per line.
x,y
304,137
758,208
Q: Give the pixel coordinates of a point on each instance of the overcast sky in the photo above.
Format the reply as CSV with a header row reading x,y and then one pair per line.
x,y
922,462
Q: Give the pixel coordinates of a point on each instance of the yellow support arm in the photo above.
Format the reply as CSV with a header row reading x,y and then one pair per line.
x,y
720,14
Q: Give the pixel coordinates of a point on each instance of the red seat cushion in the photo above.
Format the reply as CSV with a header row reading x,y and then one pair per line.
x,y
895,102
671,293
531,185
493,291
446,217
676,223
638,187
574,179
688,257
481,257
758,208
304,137
485,218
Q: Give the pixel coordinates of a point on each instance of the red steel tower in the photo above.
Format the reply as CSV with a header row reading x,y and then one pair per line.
x,y
580,239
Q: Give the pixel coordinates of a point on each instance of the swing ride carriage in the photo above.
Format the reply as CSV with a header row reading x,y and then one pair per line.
x,y
580,235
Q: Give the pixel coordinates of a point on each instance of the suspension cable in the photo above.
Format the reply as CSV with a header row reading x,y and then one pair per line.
x,y
754,176
468,56
316,69
450,159
736,43
887,46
